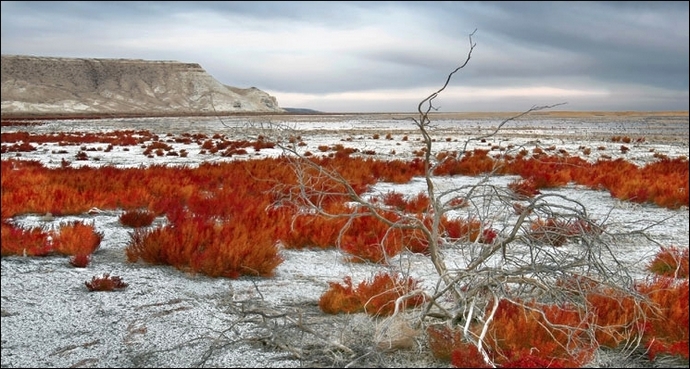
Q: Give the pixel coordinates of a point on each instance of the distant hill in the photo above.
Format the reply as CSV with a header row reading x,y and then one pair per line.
x,y
50,86
302,111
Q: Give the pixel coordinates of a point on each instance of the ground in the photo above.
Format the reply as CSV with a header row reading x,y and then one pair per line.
x,y
169,318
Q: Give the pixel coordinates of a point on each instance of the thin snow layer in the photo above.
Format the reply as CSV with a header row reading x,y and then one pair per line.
x,y
169,318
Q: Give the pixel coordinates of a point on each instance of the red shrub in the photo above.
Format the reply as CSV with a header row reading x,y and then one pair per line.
x,y
368,239
533,361
28,242
340,298
524,188
555,330
395,199
418,204
443,340
466,229
76,238
472,163
670,262
458,202
488,236
137,218
379,294
519,209
551,231
80,261
466,355
521,335
105,283
618,318
668,316
376,297
204,245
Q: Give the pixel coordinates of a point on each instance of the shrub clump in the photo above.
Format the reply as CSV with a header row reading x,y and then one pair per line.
x,y
105,283
376,297
137,218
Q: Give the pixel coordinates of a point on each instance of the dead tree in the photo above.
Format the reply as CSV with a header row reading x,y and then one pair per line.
x,y
522,264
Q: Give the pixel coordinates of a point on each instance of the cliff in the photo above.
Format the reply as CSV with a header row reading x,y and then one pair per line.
x,y
49,86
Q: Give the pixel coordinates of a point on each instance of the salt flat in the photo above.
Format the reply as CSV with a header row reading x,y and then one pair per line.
x,y
167,318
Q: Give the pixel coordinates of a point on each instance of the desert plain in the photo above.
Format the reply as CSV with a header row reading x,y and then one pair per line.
x,y
169,318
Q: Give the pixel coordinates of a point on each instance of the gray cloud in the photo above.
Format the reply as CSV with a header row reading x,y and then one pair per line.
x,y
602,55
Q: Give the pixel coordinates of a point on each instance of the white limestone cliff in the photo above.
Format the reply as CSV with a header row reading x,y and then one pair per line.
x,y
59,86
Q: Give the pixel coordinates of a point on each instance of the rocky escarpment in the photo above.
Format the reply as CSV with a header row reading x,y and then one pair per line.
x,y
49,86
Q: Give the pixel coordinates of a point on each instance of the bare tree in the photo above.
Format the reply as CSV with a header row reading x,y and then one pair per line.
x,y
521,264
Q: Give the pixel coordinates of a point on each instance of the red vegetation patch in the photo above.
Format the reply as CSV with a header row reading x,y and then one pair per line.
x,y
137,218
668,314
28,242
670,262
556,232
515,332
204,245
376,297
80,261
105,283
76,238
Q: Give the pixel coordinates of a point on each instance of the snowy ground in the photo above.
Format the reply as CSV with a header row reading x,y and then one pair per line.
x,y
166,318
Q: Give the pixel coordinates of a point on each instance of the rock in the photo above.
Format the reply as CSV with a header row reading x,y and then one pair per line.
x,y
51,86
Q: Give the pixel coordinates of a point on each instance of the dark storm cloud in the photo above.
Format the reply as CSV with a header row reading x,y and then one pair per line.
x,y
600,55
644,42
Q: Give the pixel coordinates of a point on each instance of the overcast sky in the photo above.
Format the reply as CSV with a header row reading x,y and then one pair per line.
x,y
388,56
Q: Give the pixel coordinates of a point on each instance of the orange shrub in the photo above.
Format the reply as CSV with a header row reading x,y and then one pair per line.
x,y
668,316
414,240
80,261
17,147
467,356
555,331
664,182
298,231
466,229
551,231
137,218
28,242
105,283
530,335
443,340
618,319
368,239
118,137
340,298
524,188
547,171
458,202
157,147
418,204
472,163
670,262
376,296
379,294
661,320
76,238
415,205
202,245
519,209
395,200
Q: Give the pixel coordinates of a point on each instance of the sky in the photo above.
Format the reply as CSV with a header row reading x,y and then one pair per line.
x,y
389,56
